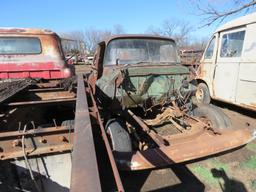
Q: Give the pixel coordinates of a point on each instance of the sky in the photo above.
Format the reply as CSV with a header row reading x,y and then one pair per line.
x,y
136,16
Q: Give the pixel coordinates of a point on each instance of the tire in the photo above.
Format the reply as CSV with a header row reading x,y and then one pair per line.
x,y
203,94
120,138
218,119
224,116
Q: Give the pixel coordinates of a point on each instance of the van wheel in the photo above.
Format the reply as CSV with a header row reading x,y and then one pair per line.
x,y
213,115
203,94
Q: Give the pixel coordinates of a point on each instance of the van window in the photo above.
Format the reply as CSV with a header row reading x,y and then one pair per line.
x,y
20,45
232,44
209,51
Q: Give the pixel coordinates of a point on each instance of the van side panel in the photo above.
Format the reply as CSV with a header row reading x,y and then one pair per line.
x,y
224,83
246,87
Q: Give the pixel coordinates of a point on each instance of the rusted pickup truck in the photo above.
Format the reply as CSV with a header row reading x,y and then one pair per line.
x,y
149,108
31,53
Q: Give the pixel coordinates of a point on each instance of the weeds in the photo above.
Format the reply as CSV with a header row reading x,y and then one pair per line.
x,y
250,163
251,146
253,185
205,174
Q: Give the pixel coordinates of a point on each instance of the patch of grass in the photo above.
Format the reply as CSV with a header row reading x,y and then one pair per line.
x,y
253,185
205,174
251,146
250,163
219,165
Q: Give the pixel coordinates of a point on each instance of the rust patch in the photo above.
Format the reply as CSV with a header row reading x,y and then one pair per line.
x,y
37,142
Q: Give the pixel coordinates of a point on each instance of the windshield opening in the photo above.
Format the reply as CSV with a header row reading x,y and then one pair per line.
x,y
135,51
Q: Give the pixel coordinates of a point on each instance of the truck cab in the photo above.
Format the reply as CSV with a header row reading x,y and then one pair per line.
x,y
228,66
144,64
32,53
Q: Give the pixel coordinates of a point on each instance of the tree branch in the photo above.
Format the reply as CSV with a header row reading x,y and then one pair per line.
x,y
213,15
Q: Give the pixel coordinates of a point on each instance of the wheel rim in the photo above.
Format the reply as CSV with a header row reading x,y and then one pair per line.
x,y
200,94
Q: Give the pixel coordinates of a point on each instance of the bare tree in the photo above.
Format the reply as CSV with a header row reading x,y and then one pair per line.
x,y
183,35
170,27
178,30
154,31
212,14
118,29
74,35
94,36
73,42
198,43
91,37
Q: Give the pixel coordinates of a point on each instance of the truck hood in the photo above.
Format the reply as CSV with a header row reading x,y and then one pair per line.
x,y
133,86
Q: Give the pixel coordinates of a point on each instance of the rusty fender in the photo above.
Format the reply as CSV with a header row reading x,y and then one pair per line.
x,y
203,145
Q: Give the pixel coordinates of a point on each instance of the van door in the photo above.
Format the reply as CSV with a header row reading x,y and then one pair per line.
x,y
227,64
207,64
246,87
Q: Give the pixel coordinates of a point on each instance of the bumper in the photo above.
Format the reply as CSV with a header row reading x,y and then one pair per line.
x,y
54,74
203,145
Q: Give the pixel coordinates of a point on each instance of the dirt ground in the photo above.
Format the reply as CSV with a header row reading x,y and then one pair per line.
x,y
233,171
229,172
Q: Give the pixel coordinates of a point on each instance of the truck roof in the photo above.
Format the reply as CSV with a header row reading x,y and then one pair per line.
x,y
247,19
107,40
25,31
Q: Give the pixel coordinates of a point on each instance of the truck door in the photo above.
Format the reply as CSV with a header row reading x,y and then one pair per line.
x,y
227,64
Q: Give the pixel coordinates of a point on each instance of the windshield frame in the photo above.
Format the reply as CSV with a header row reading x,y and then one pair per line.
x,y
143,62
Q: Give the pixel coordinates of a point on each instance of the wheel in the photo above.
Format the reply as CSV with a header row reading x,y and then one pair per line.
x,y
213,115
120,138
224,116
203,94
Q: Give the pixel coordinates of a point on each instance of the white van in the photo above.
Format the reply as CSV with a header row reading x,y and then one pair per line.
x,y
228,67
